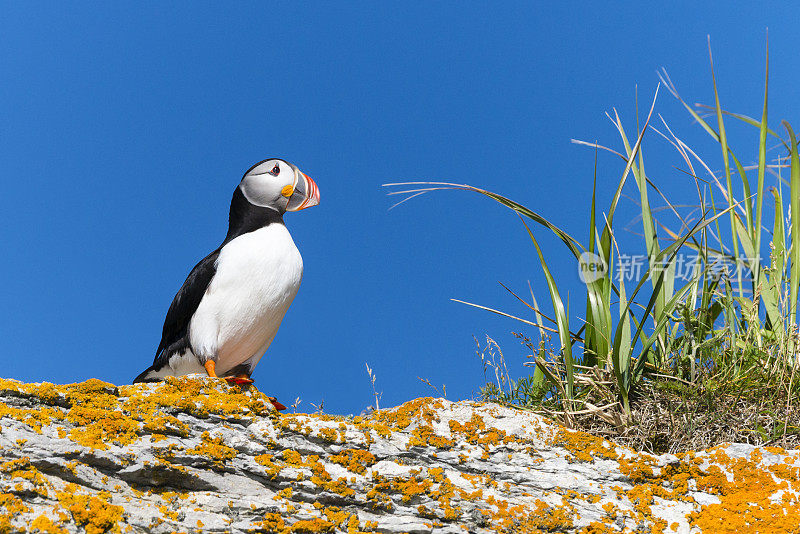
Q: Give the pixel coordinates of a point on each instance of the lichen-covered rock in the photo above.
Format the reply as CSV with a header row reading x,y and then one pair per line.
x,y
196,455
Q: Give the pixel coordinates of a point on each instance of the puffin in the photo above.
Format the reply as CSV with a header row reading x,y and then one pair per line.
x,y
226,314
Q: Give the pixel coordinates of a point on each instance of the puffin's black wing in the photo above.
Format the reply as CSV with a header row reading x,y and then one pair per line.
x,y
175,334
185,303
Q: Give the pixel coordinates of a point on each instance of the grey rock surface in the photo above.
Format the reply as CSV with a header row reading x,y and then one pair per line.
x,y
195,455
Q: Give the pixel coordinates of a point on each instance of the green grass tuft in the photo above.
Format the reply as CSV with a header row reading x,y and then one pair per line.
x,y
666,366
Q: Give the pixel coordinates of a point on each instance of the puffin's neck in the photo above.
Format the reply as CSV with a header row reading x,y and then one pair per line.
x,y
245,217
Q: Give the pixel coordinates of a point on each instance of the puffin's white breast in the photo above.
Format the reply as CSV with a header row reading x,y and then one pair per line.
x,y
258,275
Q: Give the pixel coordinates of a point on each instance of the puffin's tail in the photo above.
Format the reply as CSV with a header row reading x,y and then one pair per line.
x,y
147,376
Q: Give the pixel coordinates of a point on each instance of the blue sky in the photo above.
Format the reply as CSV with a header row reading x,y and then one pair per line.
x,y
126,128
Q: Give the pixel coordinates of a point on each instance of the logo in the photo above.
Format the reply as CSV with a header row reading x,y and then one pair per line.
x,y
591,267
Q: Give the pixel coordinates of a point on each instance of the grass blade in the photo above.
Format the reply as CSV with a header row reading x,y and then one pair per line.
x,y
562,320
794,202
598,321
538,372
762,165
504,314
748,120
723,141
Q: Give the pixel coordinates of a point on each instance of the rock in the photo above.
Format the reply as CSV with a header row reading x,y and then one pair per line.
x,y
193,455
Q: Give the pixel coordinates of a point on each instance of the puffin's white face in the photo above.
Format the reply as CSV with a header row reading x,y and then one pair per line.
x,y
279,185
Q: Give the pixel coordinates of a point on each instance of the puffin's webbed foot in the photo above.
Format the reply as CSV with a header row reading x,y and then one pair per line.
x,y
278,406
244,381
239,380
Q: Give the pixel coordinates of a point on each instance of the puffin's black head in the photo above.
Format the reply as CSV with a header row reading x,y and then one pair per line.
x,y
279,185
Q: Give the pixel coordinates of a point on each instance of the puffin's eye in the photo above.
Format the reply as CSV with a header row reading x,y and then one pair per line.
x,y
276,170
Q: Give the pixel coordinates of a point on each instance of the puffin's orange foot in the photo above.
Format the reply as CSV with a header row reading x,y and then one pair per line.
x,y
210,366
278,406
241,380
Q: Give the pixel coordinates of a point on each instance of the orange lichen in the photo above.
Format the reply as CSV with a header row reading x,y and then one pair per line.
x,y
34,418
471,429
272,522
22,468
101,414
214,449
168,513
546,518
329,434
312,526
292,457
12,504
598,527
740,508
584,447
162,423
424,436
355,460
272,468
46,525
95,514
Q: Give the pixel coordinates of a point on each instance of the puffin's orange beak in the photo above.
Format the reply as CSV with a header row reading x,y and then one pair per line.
x,y
306,194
